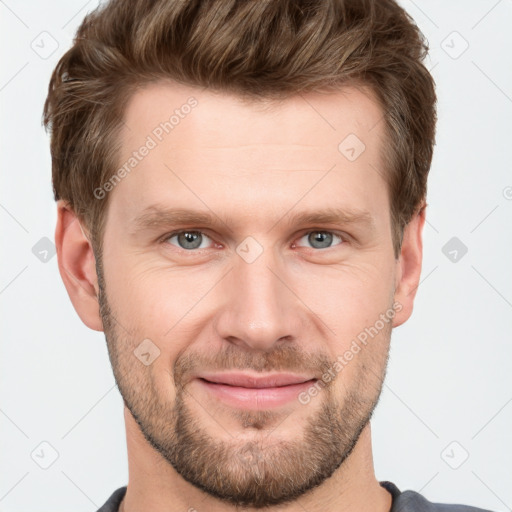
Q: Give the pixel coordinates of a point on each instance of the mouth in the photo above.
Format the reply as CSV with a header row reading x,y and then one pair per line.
x,y
250,392
246,380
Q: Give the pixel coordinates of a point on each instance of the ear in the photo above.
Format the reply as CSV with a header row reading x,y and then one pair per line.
x,y
408,267
77,266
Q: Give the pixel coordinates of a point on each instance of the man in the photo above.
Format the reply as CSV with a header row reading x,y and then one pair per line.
x,y
241,194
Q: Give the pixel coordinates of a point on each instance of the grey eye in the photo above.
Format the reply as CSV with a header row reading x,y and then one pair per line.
x,y
188,240
320,239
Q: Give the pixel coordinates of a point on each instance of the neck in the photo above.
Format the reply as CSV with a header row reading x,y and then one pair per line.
x,y
154,484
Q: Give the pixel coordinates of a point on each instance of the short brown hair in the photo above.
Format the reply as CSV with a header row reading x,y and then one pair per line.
x,y
258,49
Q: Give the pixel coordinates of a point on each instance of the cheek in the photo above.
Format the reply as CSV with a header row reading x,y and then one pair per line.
x,y
348,298
164,304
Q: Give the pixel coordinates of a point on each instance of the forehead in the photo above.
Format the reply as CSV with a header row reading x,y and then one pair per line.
x,y
311,120
216,149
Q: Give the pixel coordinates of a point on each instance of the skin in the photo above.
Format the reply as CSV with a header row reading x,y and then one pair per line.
x,y
296,307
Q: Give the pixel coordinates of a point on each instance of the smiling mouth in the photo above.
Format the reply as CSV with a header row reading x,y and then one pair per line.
x,y
258,387
263,397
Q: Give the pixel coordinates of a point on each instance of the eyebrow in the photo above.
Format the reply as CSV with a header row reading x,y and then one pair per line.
x,y
155,216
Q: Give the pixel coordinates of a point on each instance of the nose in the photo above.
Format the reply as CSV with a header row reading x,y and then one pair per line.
x,y
259,309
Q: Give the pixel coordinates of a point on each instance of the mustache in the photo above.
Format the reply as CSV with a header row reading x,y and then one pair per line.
x,y
285,358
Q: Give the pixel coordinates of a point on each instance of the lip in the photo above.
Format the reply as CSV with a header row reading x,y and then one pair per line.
x,y
246,380
250,392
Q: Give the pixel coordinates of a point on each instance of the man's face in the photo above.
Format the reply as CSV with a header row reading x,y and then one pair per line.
x,y
254,289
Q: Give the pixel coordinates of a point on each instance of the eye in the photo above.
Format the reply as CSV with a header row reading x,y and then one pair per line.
x,y
188,240
321,239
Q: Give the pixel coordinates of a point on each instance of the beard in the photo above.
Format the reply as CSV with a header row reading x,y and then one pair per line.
x,y
268,469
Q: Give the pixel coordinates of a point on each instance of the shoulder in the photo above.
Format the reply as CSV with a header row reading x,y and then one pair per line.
x,y
112,504
411,501
415,502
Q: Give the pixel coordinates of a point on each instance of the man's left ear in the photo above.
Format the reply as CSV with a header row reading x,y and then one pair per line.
x,y
408,269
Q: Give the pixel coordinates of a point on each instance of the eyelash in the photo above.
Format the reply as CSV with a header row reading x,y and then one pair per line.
x,y
344,238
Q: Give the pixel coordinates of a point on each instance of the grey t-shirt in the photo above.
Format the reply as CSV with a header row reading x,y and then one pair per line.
x,y
408,501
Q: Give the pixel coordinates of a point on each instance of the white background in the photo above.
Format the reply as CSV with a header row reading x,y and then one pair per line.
x,y
449,377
